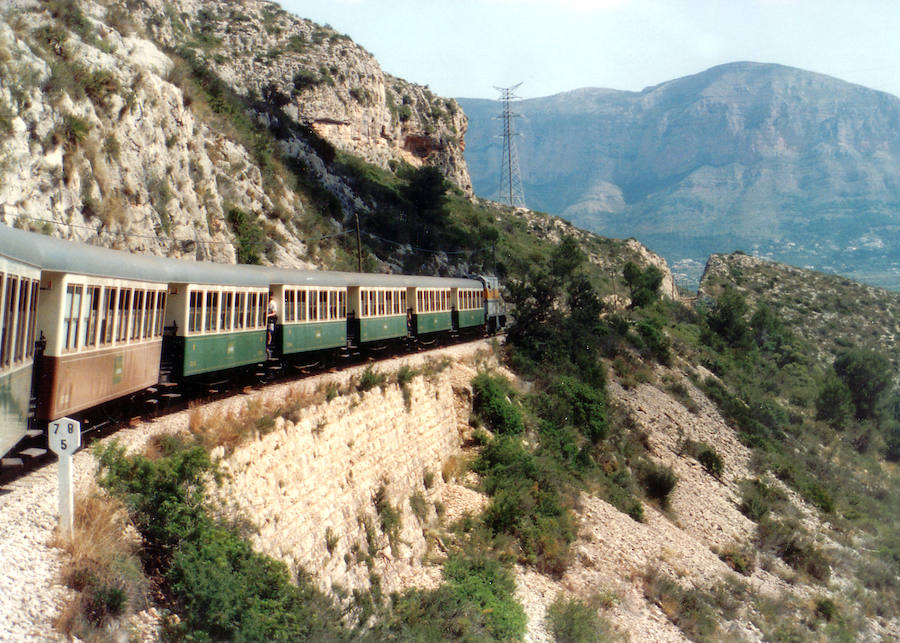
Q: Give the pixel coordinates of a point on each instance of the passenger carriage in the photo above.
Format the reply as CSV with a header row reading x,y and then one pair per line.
x,y
215,320
436,301
379,307
19,283
311,309
99,314
468,307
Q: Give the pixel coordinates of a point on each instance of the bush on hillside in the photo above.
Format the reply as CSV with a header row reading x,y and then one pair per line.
x,y
644,284
223,589
658,480
492,404
867,375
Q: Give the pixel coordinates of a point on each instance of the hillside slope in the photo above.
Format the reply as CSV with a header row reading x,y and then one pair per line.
x,y
763,158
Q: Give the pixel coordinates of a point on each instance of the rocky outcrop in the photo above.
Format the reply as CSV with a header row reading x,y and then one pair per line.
x,y
142,126
318,77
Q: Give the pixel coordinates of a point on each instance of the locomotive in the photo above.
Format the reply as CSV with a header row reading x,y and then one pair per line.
x,y
82,327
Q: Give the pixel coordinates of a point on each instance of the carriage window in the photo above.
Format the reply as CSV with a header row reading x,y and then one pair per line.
x,y
240,314
3,322
332,304
301,305
122,317
8,316
389,302
109,316
381,302
195,311
71,313
342,304
149,314
93,314
212,304
313,305
251,310
32,316
225,311
137,310
402,302
323,304
24,296
160,313
261,311
290,305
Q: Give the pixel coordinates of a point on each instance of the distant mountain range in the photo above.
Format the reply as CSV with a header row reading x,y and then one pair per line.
x,y
776,161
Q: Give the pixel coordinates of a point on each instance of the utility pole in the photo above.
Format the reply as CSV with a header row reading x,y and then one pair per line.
x,y
511,191
358,245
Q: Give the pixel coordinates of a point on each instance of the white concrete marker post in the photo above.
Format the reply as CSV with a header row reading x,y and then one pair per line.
x,y
64,437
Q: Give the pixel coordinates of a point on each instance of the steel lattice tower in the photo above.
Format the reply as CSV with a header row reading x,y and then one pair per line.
x,y
511,191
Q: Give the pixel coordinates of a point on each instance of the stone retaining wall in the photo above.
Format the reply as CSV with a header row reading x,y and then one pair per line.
x,y
310,487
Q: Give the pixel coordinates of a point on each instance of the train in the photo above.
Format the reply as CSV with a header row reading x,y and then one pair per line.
x,y
84,327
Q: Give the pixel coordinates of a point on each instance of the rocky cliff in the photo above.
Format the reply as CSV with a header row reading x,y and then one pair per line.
x,y
763,158
199,129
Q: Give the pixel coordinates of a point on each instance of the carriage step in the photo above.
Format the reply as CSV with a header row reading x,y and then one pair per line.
x,y
151,390
33,433
151,402
33,452
11,462
170,396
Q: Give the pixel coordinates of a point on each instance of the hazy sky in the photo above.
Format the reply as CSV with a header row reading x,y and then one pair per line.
x,y
463,48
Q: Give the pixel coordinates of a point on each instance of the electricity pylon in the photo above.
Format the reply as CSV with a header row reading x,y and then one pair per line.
x,y
511,191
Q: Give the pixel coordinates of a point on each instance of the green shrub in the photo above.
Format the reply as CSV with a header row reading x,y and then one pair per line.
x,y
740,559
492,404
644,284
388,515
572,621
726,318
789,541
103,602
249,235
655,341
867,375
758,499
706,455
834,403
689,609
526,503
826,608
221,588
475,603
369,379
658,480
405,374
73,130
580,405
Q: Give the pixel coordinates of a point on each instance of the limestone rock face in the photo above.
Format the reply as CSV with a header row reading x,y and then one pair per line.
x,y
319,78
110,133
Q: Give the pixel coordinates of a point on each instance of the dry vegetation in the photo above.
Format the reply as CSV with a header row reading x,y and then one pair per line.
x,y
103,569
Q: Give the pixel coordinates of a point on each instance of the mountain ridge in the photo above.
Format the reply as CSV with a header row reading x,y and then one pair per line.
x,y
742,156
